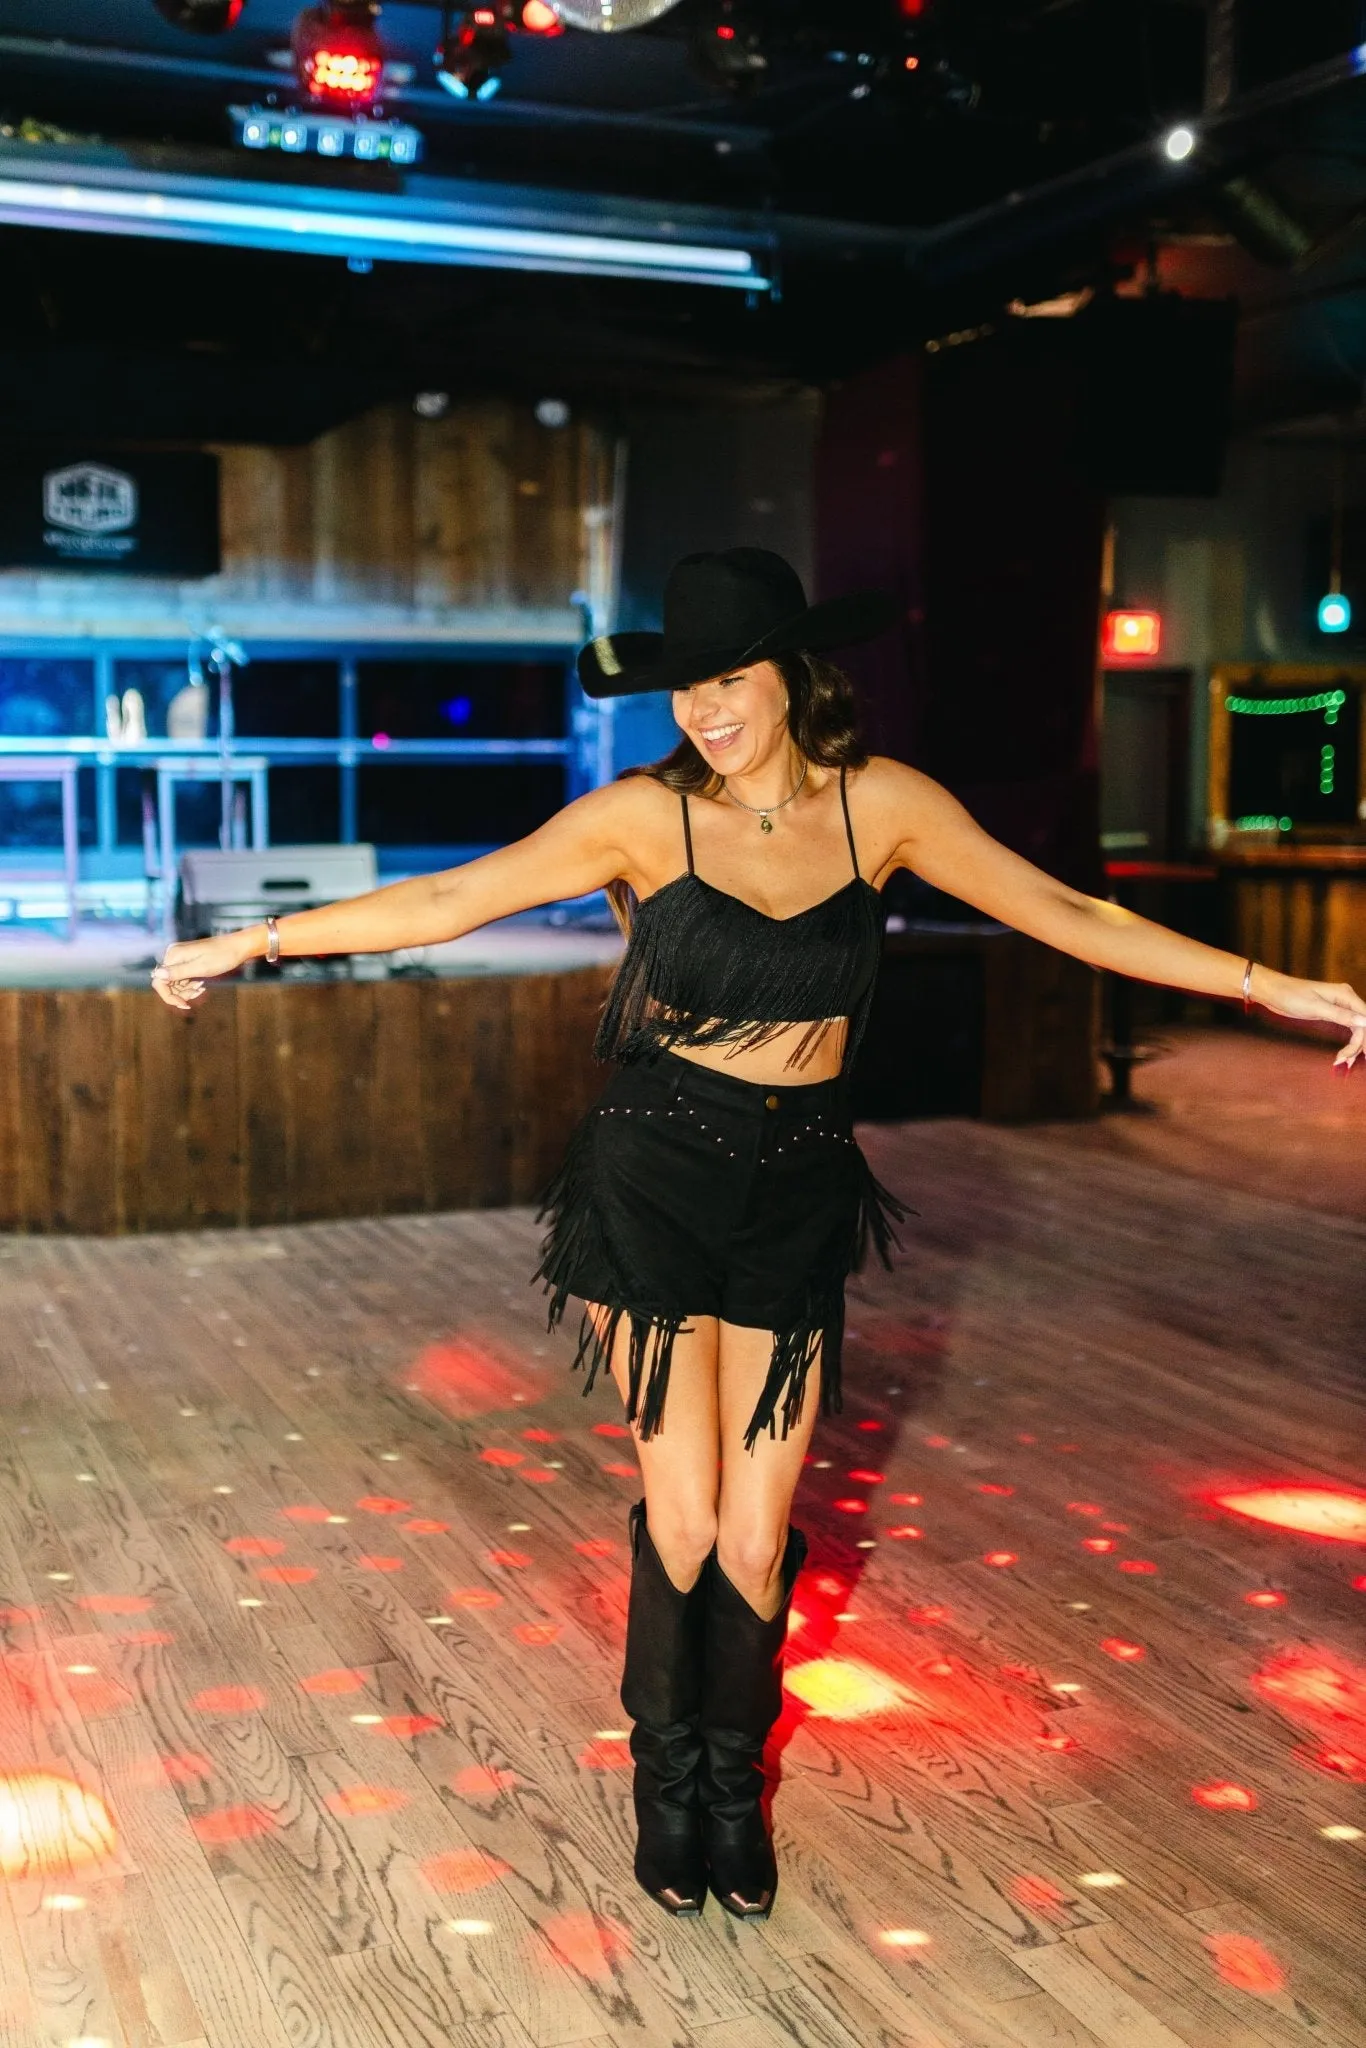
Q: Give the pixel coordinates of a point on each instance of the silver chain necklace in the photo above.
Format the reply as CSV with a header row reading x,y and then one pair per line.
x,y
765,816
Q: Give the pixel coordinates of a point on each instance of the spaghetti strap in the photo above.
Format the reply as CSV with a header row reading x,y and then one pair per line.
x,y
687,830
848,826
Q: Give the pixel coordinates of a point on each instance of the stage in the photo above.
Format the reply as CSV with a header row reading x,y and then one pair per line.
x,y
312,1567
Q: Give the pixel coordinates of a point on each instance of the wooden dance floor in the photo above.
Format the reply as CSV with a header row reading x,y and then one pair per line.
x,y
312,1575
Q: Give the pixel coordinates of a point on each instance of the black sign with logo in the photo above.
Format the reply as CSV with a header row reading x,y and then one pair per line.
x,y
142,515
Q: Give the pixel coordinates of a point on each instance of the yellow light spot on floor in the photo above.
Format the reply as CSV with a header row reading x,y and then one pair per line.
x,y
1341,1831
1101,1880
905,1937
469,1927
841,1689
63,1902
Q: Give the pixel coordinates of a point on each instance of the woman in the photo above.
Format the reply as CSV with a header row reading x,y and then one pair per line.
x,y
712,1205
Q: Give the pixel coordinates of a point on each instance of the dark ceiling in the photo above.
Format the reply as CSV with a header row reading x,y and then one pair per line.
x,y
1017,158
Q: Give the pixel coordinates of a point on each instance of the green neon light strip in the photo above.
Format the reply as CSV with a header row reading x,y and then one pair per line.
x,y
1274,707
1257,823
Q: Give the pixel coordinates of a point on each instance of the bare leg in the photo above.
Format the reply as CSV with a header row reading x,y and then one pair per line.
x,y
680,1463
756,1486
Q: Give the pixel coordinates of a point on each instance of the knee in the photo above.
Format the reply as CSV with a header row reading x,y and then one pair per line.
x,y
750,1553
683,1533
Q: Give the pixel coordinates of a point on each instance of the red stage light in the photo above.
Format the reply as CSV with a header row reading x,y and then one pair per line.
x,y
286,1574
1144,1565
1000,1557
422,1527
494,1456
988,1487
231,1824
1265,1599
866,1478
383,1504
405,1726
1132,635
305,1514
538,19
1100,1544
475,1596
1222,1796
354,1801
1245,1964
904,1531
229,1699
462,1870
725,33
621,1470
337,54
534,1633
540,1436
379,1564
852,1507
482,1781
1122,1652
324,1684
253,1546
1084,1507
515,1560
1312,1510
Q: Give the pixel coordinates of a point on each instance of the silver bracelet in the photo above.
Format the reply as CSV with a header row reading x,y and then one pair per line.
x,y
1247,987
272,942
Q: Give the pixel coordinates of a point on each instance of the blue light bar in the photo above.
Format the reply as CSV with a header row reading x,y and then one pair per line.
x,y
402,230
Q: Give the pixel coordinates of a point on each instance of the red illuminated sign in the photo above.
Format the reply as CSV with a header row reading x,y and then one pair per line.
x,y
1132,635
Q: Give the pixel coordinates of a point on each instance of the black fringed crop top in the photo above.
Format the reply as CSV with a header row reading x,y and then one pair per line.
x,y
703,967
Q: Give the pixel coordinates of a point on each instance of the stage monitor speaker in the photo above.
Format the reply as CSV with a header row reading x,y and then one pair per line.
x,y
222,891
1158,383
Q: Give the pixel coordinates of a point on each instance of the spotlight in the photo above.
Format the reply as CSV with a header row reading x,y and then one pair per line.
x,y
552,412
472,55
727,47
432,405
200,17
1335,613
337,52
1178,143
538,18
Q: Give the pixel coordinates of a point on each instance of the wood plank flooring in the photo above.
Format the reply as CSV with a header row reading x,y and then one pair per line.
x,y
312,1581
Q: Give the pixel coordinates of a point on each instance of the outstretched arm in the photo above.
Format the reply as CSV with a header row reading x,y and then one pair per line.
x,y
941,842
580,849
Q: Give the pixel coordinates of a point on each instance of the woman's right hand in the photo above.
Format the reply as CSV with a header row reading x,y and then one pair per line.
x,y
180,977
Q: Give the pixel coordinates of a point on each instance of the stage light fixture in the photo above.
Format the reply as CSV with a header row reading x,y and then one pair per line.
x,y
1178,143
538,18
201,17
610,17
1132,635
338,57
473,52
1335,612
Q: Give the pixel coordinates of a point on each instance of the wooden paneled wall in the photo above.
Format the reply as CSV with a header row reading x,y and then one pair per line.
x,y
279,1103
483,510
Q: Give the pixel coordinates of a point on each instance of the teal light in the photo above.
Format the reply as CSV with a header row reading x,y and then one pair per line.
x,y
1335,612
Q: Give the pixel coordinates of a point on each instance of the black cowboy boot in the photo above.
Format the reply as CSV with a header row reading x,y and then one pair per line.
x,y
742,1696
661,1689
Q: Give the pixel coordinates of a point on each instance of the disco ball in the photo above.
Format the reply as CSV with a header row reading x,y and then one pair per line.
x,y
606,17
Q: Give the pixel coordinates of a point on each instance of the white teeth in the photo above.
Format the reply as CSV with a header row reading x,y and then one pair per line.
x,y
720,732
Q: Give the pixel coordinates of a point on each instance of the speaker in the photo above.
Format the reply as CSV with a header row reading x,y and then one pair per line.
x,y
222,891
1157,376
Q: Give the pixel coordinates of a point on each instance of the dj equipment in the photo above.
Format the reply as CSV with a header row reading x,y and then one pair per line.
x,y
220,892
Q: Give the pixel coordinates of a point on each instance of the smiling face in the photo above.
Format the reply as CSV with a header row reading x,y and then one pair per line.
x,y
737,721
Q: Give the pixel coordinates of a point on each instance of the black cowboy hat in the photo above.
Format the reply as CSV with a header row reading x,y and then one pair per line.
x,y
723,611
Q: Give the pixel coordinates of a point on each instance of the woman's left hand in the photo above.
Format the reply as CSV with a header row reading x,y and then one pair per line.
x,y
1316,1002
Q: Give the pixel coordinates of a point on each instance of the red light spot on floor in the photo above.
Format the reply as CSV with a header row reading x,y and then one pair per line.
x,y
231,1824
96,1695
116,1603
1323,1692
366,1563
904,1532
595,1546
1099,1544
352,1802
469,1379
514,1560
383,1504
1060,1742
534,1633
907,1500
1311,1510
622,1471
1084,1507
463,1870
186,1767
1122,1652
828,1584
286,1574
144,1638
305,1514
938,1443
610,1429
1024,1437
406,1726
325,1684
1142,1566
540,1436
49,1823
1265,1598
588,1945
1116,1528
20,1617
862,1477
1067,1447
482,1781
852,1507
1245,1964
474,1596
253,1546
422,1527
609,1753
1343,1763
494,1455
988,1487
1223,1797
229,1699
1037,1895
1001,1557
927,1615
539,1476
1359,1583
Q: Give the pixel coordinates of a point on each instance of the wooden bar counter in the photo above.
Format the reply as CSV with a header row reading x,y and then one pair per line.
x,y
1301,909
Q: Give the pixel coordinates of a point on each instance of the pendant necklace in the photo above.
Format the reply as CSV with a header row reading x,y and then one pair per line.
x,y
765,817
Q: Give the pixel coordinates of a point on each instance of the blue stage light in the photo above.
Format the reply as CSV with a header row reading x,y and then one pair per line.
x,y
1335,612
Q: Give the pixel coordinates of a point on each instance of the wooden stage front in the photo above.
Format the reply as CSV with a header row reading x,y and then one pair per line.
x,y
312,1581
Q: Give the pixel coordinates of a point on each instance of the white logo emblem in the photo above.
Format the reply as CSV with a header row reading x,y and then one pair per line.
x,y
88,498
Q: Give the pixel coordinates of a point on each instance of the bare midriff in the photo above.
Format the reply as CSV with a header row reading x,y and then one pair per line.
x,y
766,1064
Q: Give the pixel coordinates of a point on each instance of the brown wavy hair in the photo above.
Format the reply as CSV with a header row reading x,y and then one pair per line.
x,y
821,719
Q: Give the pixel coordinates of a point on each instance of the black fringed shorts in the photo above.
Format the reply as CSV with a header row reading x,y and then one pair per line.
x,y
686,1193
